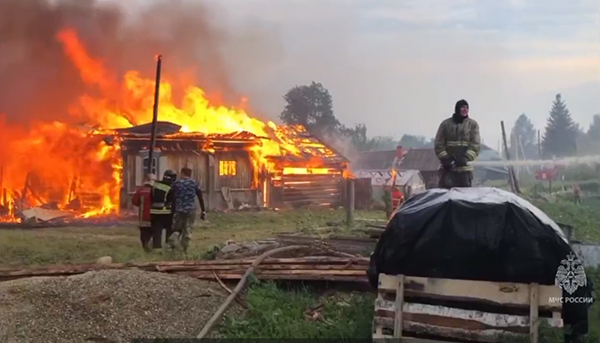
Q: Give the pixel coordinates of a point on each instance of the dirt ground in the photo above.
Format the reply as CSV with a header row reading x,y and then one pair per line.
x,y
110,306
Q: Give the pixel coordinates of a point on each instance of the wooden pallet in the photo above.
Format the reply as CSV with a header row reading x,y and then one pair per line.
x,y
442,310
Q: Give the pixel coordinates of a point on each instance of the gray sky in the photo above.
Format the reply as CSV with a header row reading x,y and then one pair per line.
x,y
399,66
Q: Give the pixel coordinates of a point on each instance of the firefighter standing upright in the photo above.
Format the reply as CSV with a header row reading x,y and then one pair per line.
x,y
161,215
457,142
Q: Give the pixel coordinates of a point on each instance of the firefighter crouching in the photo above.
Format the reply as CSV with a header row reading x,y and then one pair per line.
x,y
161,216
142,200
457,142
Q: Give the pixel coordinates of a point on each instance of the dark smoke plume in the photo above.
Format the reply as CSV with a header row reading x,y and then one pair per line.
x,y
38,81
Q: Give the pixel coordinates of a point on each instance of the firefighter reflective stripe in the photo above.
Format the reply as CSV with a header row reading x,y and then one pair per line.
x,y
461,169
457,143
162,187
442,154
471,154
161,207
160,211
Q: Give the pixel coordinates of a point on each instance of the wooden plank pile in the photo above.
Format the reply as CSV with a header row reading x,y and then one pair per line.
x,y
325,268
349,245
418,309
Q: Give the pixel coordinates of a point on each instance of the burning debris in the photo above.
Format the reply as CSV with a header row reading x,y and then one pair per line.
x,y
90,170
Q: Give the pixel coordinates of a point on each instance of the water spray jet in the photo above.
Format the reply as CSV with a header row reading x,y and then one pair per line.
x,y
567,161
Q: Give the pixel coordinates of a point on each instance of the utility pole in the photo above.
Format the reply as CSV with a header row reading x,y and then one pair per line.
x,y
154,114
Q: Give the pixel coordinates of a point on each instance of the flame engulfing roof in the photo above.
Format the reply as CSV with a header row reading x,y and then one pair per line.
x,y
307,146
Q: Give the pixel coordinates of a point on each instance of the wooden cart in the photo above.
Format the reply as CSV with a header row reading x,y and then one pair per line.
x,y
442,310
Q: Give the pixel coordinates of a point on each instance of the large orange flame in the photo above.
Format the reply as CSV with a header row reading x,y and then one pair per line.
x,y
55,162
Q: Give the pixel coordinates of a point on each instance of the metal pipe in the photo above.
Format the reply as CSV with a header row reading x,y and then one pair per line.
x,y
154,114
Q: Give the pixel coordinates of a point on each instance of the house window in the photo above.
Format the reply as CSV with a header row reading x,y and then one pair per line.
x,y
145,165
227,168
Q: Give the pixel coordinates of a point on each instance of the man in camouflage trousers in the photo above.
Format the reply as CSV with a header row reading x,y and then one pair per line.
x,y
185,190
456,143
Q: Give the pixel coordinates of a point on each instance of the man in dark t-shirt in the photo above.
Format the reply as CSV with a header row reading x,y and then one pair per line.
x,y
185,191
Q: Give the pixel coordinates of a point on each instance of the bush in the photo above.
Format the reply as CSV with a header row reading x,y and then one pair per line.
x,y
580,173
591,186
583,219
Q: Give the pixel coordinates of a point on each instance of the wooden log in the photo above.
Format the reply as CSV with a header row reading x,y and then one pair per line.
x,y
311,179
372,232
379,228
349,266
237,275
286,265
312,191
280,273
66,269
287,260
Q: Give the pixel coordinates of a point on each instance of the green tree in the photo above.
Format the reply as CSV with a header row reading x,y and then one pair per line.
x,y
560,136
361,142
524,132
311,106
412,141
380,143
594,130
358,137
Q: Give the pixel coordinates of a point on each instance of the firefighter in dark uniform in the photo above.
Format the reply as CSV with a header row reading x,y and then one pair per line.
x,y
456,143
161,215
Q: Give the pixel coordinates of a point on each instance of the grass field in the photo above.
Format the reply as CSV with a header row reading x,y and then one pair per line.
x,y
585,218
70,245
273,312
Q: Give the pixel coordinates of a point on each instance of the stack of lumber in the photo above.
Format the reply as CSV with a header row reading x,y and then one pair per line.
x,y
300,268
349,245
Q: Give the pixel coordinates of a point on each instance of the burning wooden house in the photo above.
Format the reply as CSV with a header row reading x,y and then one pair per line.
x,y
90,161
232,169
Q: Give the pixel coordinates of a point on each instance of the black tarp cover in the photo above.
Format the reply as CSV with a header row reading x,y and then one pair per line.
x,y
472,234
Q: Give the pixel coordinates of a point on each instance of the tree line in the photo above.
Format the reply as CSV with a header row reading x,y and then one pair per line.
x,y
561,137
312,106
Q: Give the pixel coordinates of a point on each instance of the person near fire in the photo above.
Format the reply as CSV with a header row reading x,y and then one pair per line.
x,y
185,190
397,198
141,199
392,198
457,142
576,194
161,214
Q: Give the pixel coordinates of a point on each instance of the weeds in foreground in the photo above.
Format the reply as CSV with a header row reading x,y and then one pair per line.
x,y
277,313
